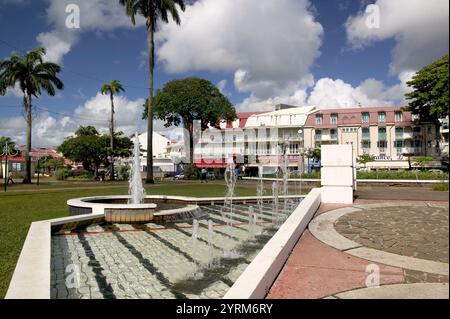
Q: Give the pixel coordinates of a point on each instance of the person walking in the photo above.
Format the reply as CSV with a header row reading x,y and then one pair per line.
x,y
10,178
203,175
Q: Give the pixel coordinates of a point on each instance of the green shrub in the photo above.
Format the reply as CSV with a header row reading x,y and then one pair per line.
x,y
402,174
61,174
124,172
440,187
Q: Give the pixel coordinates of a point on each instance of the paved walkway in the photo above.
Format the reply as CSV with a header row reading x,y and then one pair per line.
x,y
407,242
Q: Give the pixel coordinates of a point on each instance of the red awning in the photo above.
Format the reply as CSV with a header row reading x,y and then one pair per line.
x,y
211,164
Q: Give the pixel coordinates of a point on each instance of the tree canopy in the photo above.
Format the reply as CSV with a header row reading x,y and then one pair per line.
x,y
93,149
181,102
11,145
429,98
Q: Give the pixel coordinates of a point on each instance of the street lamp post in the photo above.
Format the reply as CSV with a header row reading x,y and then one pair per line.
x,y
7,152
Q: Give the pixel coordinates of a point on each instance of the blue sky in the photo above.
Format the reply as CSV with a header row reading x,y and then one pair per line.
x,y
333,64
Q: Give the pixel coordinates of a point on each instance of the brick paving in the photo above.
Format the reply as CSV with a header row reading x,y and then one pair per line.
x,y
414,231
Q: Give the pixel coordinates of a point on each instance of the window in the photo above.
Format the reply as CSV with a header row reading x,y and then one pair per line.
x,y
417,130
398,147
382,134
381,116
365,117
429,130
398,116
382,146
350,129
366,132
333,118
319,119
399,132
365,146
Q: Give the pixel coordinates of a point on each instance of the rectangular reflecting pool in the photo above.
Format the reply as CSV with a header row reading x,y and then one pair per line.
x,y
187,259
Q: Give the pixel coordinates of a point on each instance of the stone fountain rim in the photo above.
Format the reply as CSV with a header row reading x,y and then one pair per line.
x,y
85,203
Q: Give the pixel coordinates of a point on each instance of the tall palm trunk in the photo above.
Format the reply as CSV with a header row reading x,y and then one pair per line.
x,y
27,104
151,64
112,177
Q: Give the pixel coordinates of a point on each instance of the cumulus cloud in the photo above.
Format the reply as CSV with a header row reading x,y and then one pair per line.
x,y
51,129
95,15
420,29
336,93
127,115
268,45
47,129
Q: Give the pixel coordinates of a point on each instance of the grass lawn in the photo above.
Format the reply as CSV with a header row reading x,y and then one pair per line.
x,y
20,208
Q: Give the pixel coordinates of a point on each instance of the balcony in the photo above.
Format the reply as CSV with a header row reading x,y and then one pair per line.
x,y
318,137
365,137
382,137
404,136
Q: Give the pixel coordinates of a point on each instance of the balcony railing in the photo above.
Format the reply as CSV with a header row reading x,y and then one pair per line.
x,y
318,137
382,137
366,137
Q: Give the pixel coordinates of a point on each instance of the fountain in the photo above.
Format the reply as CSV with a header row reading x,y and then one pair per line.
x,y
135,208
230,180
275,196
260,190
285,170
136,189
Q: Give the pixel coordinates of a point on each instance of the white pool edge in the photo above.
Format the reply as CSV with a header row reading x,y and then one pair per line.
x,y
258,277
31,277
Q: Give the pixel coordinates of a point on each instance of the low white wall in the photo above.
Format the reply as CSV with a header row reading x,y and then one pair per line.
x,y
31,278
259,276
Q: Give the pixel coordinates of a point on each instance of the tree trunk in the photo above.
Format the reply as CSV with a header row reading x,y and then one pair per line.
x,y
112,177
27,104
151,64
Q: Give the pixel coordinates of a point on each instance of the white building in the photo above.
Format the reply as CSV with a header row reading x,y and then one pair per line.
x,y
161,159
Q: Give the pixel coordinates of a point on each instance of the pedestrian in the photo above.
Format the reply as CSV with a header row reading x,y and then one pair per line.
x,y
203,175
10,179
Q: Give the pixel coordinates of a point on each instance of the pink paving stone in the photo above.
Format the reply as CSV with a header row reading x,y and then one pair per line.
x,y
316,270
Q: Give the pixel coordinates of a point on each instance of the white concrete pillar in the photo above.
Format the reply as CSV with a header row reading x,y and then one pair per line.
x,y
337,174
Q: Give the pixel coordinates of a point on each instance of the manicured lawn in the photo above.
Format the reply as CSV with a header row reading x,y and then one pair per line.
x,y
18,209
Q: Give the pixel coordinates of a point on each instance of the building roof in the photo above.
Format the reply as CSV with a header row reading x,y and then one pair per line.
x,y
295,116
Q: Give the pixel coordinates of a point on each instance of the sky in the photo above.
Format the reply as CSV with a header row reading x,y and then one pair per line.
x,y
326,53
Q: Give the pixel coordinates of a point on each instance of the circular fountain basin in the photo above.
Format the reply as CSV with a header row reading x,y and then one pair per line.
x,y
116,209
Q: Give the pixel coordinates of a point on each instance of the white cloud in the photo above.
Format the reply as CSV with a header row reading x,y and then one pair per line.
x,y
50,130
420,29
16,91
128,113
55,46
47,130
330,93
222,86
269,45
95,15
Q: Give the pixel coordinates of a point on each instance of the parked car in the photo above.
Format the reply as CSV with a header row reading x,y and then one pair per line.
x,y
179,176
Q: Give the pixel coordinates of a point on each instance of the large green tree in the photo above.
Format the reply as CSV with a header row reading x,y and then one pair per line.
x,y
429,98
181,102
112,88
152,11
32,75
92,149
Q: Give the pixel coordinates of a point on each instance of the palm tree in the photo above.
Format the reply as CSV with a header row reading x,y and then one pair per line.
x,y
152,10
32,75
112,88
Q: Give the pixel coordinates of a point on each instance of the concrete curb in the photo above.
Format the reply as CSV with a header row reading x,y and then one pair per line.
x,y
399,291
259,276
322,227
